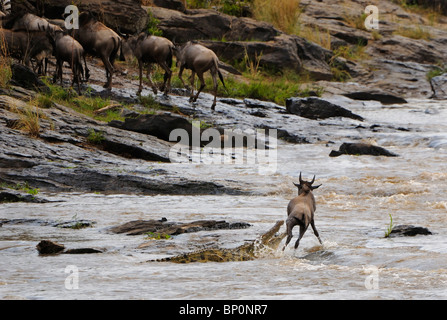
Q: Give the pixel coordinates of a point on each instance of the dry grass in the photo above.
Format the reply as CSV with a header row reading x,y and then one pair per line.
x,y
316,35
418,33
5,62
283,14
29,120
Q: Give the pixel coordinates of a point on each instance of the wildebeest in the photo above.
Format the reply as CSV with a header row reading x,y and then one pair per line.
x,y
149,49
27,46
67,49
100,41
301,210
198,59
31,22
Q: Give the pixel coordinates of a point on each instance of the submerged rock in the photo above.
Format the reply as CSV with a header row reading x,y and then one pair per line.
x,y
315,108
361,149
383,97
49,247
409,231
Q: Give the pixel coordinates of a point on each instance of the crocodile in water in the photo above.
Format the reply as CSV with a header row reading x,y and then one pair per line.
x,y
245,252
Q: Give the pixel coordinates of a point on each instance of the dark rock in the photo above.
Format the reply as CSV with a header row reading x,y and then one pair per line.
x,y
17,196
409,231
82,251
277,55
315,108
361,149
158,125
285,135
384,98
49,247
110,12
210,24
26,78
139,227
170,4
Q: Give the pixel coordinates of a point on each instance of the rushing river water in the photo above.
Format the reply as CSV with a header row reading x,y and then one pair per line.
x,y
354,204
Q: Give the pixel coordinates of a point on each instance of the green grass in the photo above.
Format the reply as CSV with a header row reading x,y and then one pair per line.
x,y
24,187
390,227
157,236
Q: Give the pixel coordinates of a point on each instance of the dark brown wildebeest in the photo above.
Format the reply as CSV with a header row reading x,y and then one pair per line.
x,y
301,210
67,49
149,49
27,46
100,41
198,59
30,22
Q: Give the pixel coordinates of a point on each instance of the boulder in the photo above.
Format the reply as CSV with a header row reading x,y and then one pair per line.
x,y
210,24
277,55
49,247
316,108
26,78
127,15
382,97
439,86
409,231
178,5
158,125
361,149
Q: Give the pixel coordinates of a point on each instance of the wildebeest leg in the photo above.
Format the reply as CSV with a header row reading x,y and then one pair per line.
x,y
303,229
140,67
191,80
109,71
86,70
166,78
149,77
214,76
291,222
180,75
202,85
312,223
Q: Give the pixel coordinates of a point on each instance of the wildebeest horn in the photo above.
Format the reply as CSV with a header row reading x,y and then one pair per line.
x,y
313,180
301,180
296,185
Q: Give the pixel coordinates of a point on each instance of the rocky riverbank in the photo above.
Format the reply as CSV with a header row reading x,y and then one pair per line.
x,y
64,157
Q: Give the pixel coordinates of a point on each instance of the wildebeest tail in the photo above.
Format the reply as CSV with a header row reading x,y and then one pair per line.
x,y
216,63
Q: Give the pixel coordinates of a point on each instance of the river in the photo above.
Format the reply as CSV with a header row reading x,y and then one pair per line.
x,y
354,204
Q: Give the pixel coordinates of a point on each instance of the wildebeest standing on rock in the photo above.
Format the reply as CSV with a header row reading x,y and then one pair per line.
x,y
152,49
100,41
198,59
301,210
31,22
67,49
26,46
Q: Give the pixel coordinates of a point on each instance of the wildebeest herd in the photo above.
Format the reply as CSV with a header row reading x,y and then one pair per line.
x,y
33,40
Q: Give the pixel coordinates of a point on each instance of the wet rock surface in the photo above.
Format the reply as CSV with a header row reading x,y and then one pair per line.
x,y
361,149
315,108
409,231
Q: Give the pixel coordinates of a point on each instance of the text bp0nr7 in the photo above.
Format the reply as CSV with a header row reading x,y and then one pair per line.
x,y
245,309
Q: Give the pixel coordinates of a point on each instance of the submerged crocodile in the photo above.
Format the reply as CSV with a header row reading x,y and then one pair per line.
x,y
245,252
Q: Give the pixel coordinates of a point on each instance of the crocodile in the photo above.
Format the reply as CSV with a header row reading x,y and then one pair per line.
x,y
248,251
